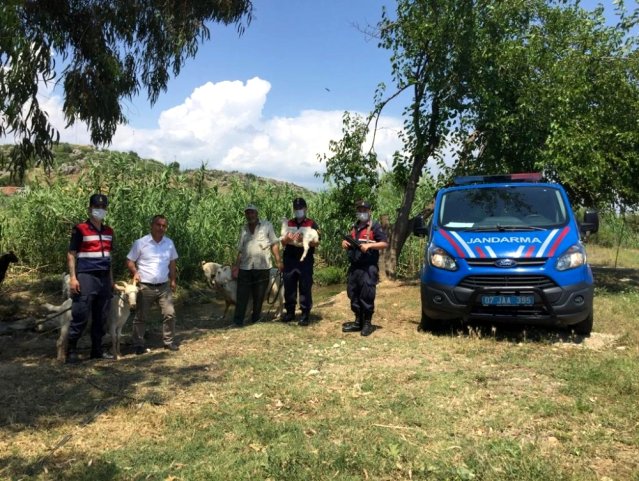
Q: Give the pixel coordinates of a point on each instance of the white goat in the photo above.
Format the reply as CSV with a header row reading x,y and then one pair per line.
x,y
66,285
228,286
308,235
209,269
121,305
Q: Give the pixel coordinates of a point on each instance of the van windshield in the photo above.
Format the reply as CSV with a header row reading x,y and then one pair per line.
x,y
503,208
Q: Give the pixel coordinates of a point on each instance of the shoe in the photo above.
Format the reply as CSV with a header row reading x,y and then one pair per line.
x,y
288,317
172,347
368,329
72,358
102,355
304,320
139,350
234,326
354,326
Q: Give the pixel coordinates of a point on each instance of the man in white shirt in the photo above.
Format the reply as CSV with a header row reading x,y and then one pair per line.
x,y
151,262
253,263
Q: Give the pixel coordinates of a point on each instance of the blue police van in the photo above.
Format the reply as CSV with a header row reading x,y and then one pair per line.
x,y
506,249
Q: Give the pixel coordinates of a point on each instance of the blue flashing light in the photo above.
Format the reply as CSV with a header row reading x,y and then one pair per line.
x,y
486,179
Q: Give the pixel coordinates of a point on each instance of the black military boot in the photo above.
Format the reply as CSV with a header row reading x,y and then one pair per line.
x,y
72,353
289,316
367,328
98,353
354,326
95,354
305,319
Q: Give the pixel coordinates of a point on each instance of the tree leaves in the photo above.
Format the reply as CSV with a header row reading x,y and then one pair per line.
x,y
111,51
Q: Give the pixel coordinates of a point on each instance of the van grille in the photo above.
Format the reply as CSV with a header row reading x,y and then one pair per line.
x,y
475,282
489,262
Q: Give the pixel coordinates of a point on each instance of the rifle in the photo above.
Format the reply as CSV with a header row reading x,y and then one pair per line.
x,y
355,244
354,253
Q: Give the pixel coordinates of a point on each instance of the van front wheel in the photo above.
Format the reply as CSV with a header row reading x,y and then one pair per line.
x,y
428,324
584,328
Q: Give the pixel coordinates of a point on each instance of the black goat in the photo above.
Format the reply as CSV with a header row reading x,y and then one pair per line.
x,y
5,260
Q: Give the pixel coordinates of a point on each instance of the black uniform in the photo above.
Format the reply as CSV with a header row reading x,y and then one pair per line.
x,y
298,274
363,273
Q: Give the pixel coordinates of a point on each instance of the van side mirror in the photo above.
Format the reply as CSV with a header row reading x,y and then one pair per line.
x,y
420,228
591,222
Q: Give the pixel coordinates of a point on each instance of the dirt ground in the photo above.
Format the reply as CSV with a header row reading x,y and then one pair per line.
x,y
26,333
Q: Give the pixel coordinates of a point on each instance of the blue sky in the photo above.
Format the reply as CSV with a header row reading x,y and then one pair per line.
x,y
269,101
302,48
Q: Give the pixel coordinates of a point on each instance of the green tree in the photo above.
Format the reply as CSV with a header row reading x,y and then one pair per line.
x,y
557,93
431,45
102,52
511,86
351,170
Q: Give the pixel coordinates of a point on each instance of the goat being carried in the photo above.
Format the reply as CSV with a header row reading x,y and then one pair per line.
x,y
300,236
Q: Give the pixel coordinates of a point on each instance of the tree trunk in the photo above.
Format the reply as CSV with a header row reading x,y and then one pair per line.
x,y
425,144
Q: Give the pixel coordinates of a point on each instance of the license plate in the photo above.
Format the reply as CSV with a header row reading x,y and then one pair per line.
x,y
507,300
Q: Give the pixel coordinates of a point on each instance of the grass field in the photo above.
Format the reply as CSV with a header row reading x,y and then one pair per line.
x,y
282,402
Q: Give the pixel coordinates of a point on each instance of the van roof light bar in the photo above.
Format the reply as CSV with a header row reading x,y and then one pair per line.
x,y
486,179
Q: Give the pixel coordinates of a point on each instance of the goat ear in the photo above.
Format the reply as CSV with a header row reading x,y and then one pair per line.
x,y
120,286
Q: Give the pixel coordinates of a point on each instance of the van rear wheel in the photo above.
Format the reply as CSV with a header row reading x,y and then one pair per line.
x,y
584,328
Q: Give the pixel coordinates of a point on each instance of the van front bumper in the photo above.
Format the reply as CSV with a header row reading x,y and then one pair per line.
x,y
553,306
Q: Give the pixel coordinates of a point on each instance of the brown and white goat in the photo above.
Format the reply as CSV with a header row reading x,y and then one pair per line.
x,y
123,302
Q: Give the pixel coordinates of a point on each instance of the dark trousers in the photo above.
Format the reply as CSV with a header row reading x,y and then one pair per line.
x,y
95,299
250,283
298,277
361,289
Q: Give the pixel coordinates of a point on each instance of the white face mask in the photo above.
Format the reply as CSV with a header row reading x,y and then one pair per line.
x,y
98,214
299,214
362,216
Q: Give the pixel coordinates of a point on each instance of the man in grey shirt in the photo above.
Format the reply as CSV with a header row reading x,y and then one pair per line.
x,y
253,263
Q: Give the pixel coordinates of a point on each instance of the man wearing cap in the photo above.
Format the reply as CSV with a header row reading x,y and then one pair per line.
x,y
152,263
298,274
253,263
91,279
363,272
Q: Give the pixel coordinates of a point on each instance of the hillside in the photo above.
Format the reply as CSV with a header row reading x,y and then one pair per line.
x,y
72,160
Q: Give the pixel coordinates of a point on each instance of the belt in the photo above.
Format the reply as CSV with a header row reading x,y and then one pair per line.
x,y
96,273
153,285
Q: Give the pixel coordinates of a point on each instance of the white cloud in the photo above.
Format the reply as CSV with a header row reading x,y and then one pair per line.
x,y
221,125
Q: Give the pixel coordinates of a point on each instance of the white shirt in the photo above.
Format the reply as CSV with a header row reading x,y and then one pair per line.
x,y
152,258
255,248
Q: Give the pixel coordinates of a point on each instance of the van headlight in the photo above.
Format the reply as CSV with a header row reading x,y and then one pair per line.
x,y
438,257
575,256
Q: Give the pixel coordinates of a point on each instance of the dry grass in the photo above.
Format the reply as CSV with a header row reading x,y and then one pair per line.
x,y
275,401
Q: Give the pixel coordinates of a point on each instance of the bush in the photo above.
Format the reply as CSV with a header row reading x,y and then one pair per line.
x,y
615,229
325,276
